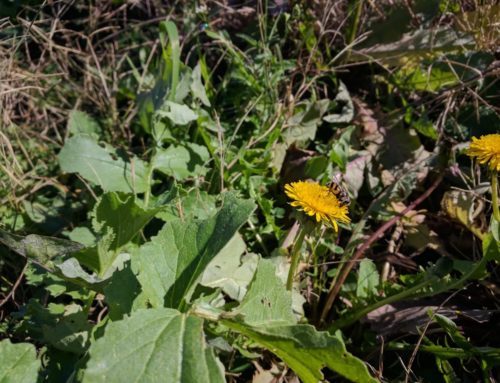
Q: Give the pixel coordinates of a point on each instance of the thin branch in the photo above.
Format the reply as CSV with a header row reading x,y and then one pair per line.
x,y
16,285
335,289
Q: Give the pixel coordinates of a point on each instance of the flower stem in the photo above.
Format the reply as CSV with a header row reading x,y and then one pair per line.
x,y
494,195
295,257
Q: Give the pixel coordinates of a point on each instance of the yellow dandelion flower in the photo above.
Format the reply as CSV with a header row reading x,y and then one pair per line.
x,y
486,149
317,200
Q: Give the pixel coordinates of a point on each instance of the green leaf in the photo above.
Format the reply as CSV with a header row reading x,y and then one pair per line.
x,y
39,248
267,300
70,332
179,114
425,127
306,351
231,271
368,279
341,148
190,204
153,345
452,330
172,53
303,124
102,166
81,123
121,291
491,248
73,271
182,162
123,215
82,235
346,112
169,265
197,87
18,362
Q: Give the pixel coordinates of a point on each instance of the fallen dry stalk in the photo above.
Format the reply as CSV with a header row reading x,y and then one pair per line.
x,y
335,289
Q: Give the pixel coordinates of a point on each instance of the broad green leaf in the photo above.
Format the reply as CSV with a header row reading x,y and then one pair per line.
x,y
81,123
306,351
70,331
230,270
341,148
179,114
121,292
151,346
39,248
431,79
170,264
82,235
426,127
267,300
182,162
197,87
368,279
101,166
123,215
48,251
18,362
73,271
303,124
191,204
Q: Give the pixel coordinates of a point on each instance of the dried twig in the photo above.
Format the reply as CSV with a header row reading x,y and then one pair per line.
x,y
335,289
16,285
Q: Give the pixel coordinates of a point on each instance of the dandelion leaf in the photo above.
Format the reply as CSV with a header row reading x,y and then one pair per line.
x,y
306,351
170,265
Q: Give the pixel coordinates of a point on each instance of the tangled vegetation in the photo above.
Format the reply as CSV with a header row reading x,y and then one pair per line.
x,y
249,191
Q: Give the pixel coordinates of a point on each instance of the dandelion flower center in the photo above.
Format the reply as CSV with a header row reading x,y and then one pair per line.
x,y
318,201
487,150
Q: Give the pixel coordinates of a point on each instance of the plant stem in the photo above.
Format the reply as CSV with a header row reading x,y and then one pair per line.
x,y
494,195
149,178
295,257
350,319
344,271
412,293
88,303
358,7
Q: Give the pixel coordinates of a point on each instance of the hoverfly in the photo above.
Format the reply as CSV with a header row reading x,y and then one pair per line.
x,y
340,192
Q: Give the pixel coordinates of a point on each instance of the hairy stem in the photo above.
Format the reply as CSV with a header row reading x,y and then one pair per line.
x,y
295,257
494,195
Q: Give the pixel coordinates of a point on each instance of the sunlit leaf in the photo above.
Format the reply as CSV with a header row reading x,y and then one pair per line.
x,y
170,264
230,270
123,215
153,345
19,363
267,301
368,279
81,123
306,351
101,166
183,161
